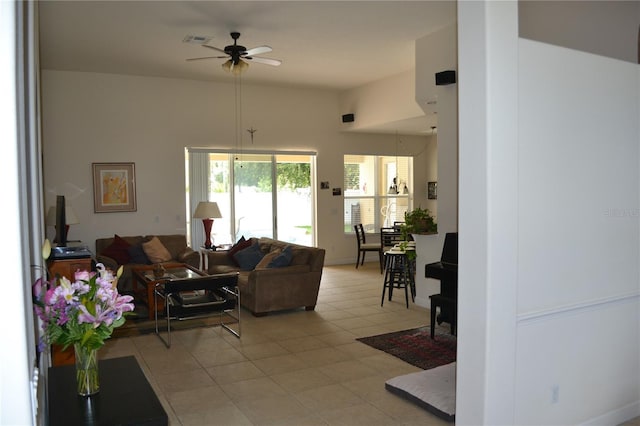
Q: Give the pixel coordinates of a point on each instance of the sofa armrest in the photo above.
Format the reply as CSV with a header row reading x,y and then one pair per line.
x,y
220,258
190,257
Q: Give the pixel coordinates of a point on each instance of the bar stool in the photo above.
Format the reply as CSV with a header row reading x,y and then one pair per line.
x,y
398,274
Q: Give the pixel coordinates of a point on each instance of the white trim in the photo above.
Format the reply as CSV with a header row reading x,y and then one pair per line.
x,y
572,309
248,151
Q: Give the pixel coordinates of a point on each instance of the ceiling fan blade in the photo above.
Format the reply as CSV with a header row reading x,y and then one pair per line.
x,y
207,57
266,61
214,48
258,50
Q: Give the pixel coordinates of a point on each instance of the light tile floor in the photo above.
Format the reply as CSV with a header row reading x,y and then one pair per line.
x,y
290,368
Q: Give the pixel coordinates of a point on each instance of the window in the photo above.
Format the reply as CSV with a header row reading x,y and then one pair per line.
x,y
259,194
376,190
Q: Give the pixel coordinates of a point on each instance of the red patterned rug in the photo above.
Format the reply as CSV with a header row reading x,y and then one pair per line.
x,y
416,347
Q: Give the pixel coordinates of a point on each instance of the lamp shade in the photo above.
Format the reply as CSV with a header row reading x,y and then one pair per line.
x,y
207,210
69,215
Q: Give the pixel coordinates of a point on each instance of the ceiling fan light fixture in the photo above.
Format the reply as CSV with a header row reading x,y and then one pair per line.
x,y
235,69
240,67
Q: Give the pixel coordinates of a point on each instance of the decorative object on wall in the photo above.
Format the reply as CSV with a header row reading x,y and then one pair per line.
x,y
114,187
207,211
324,185
252,131
432,190
337,191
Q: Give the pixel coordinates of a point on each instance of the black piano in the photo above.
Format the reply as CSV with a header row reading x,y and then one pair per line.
x,y
447,272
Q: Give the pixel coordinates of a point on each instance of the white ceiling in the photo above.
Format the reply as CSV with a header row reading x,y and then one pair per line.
x,y
324,44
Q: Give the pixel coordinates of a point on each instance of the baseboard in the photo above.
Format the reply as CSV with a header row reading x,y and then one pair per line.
x,y
423,302
616,417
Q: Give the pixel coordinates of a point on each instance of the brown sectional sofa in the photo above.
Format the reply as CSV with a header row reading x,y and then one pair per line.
x,y
275,289
175,244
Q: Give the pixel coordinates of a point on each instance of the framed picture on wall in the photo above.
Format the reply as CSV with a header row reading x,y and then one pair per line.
x,y
432,190
114,187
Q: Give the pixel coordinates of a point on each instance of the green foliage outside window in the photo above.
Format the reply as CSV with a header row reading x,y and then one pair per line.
x,y
352,176
258,174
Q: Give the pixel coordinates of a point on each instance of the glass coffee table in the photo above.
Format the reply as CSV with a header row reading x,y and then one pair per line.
x,y
144,280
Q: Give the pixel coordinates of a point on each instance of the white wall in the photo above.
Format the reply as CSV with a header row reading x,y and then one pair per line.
x,y
608,28
549,282
89,117
434,53
381,102
578,245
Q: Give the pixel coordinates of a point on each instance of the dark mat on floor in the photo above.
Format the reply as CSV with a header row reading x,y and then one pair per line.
x,y
434,390
416,347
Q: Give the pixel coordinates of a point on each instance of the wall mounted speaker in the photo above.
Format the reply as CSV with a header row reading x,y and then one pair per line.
x,y
348,118
445,77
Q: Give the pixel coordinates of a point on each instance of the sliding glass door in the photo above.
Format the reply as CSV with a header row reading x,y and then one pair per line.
x,y
259,194
294,199
253,195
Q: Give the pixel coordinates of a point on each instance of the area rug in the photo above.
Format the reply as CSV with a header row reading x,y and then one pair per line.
x,y
416,347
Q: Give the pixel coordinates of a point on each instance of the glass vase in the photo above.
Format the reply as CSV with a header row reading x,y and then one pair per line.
x,y
87,379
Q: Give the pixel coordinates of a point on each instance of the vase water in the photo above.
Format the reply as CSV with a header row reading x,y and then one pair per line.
x,y
87,378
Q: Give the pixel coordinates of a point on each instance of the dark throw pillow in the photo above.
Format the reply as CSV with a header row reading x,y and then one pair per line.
x,y
248,258
118,250
240,245
137,255
283,259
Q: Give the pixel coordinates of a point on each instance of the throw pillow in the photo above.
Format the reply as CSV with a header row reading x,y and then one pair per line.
x,y
156,251
267,259
282,259
240,245
137,255
118,250
248,258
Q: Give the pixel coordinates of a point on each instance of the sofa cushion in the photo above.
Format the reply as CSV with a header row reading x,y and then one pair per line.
x,y
118,250
249,257
156,251
268,259
282,259
175,244
137,255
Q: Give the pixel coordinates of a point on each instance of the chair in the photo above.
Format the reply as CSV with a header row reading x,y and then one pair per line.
x,y
190,298
398,273
364,247
447,272
389,237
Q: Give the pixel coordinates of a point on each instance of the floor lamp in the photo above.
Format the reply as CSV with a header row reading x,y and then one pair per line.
x,y
207,211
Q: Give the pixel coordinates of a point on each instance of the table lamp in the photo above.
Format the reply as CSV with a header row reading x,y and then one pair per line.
x,y
207,211
70,218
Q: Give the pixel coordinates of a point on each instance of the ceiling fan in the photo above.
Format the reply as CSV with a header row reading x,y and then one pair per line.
x,y
238,56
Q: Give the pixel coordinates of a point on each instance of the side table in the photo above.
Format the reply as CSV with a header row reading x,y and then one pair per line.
x,y
204,257
125,397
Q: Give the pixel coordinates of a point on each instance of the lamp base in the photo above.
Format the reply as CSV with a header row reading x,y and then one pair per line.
x,y
208,223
